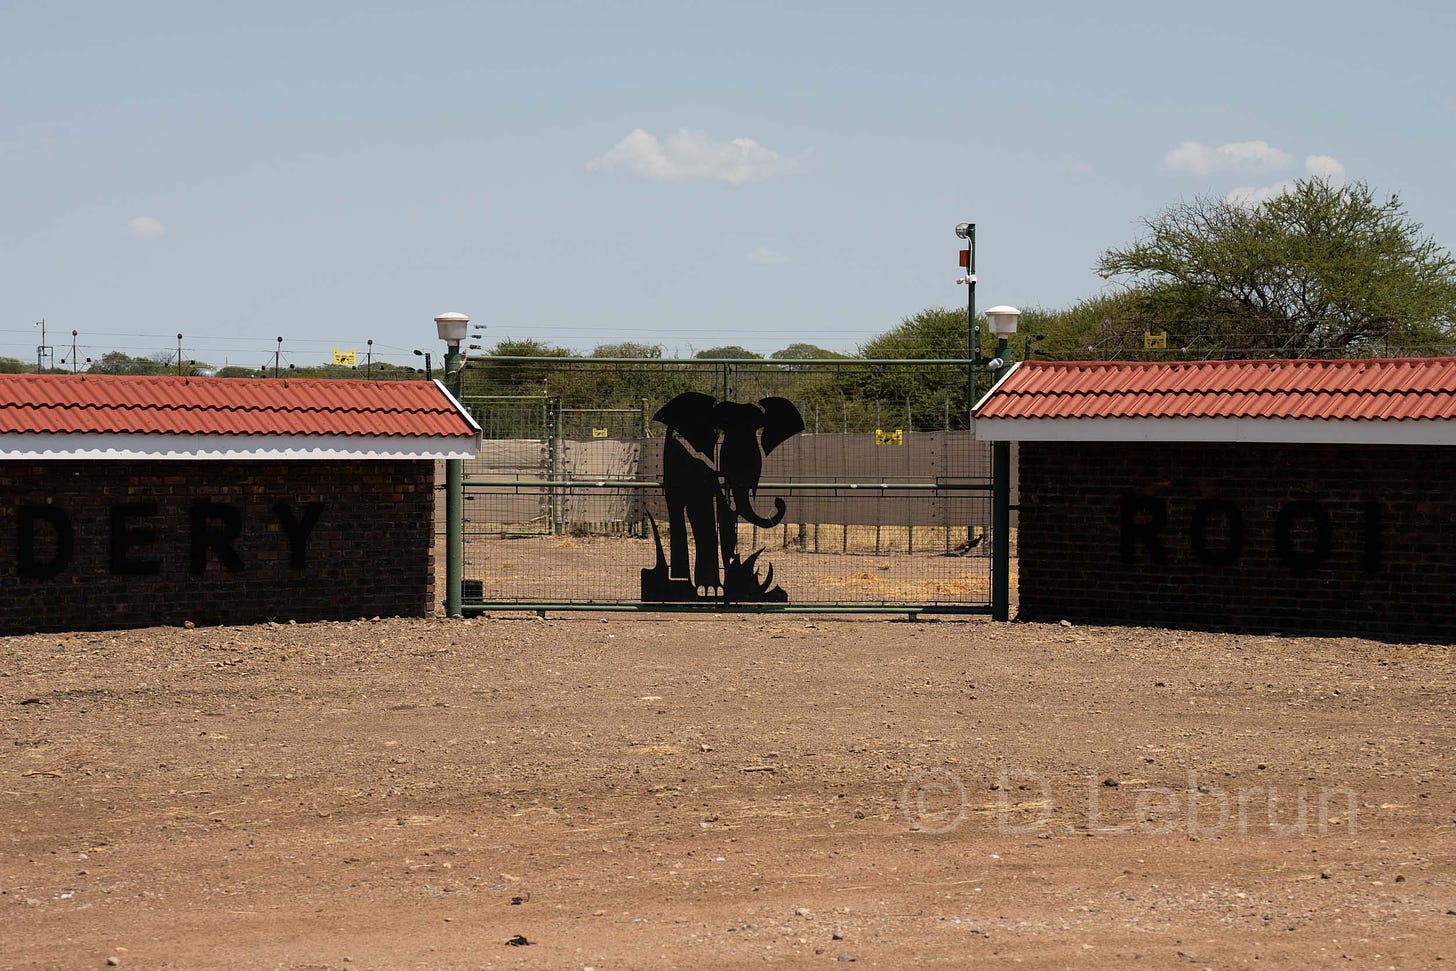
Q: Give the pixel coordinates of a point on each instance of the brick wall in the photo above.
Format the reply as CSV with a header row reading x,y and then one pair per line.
x,y
89,545
1336,539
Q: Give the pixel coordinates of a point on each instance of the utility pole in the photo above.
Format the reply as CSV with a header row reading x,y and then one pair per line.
x,y
967,232
44,352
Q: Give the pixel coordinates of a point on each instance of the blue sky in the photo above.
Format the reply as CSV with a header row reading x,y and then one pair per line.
x,y
678,173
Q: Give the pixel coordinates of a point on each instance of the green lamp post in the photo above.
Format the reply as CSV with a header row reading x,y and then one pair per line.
x,y
452,328
1001,321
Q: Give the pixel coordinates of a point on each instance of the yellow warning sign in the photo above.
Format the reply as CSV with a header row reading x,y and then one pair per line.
x,y
599,433
346,358
1155,342
896,437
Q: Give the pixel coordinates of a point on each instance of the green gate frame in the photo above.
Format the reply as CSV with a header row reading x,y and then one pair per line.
x,y
999,486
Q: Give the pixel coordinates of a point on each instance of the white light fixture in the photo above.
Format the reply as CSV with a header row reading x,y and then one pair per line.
x,y
452,327
1002,320
963,230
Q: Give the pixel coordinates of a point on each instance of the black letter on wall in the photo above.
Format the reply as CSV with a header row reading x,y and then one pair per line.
x,y
1233,523
1370,551
125,537
27,518
1156,511
298,530
220,541
1302,560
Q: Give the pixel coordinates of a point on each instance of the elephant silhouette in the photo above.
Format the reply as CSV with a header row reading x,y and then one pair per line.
x,y
712,460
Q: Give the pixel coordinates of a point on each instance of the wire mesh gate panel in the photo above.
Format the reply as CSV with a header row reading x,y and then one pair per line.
x,y
820,485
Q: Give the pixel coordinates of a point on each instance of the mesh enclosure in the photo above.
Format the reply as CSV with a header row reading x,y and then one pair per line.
x,y
880,500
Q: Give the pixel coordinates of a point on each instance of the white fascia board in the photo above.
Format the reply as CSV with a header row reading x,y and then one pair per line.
x,y
464,412
1289,431
193,447
977,406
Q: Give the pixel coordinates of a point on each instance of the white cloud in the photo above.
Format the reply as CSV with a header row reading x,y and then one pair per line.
x,y
145,227
765,255
1248,196
1325,167
691,156
1201,159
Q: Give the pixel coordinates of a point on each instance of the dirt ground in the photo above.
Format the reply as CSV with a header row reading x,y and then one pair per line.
x,y
546,569
669,792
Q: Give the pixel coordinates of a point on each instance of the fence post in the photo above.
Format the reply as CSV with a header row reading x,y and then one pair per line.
x,y
641,503
553,461
947,449
843,449
880,497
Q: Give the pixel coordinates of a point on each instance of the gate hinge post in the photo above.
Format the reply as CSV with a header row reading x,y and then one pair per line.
x,y
1001,530
454,504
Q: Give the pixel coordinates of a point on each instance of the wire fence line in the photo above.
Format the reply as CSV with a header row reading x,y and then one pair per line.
x,y
1202,338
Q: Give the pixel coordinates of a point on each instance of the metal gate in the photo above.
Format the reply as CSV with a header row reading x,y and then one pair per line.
x,y
651,484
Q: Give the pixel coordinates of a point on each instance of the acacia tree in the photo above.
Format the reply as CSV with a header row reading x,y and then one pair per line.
x,y
726,352
632,349
930,392
800,351
1317,270
1102,327
119,362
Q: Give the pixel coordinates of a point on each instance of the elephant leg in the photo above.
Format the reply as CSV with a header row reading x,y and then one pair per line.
x,y
677,539
727,529
705,541
680,475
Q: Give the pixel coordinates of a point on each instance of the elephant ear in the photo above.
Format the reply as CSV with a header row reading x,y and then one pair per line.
x,y
781,422
690,414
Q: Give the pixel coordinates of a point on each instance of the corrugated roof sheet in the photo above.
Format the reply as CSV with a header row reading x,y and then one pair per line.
x,y
113,404
1345,390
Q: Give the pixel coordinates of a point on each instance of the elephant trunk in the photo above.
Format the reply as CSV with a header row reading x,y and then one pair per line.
x,y
743,506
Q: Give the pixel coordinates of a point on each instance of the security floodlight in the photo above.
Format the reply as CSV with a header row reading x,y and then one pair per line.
x,y
1002,320
452,327
963,230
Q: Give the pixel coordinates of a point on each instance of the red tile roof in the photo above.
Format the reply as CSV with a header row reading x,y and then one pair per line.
x,y
1348,390
111,404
